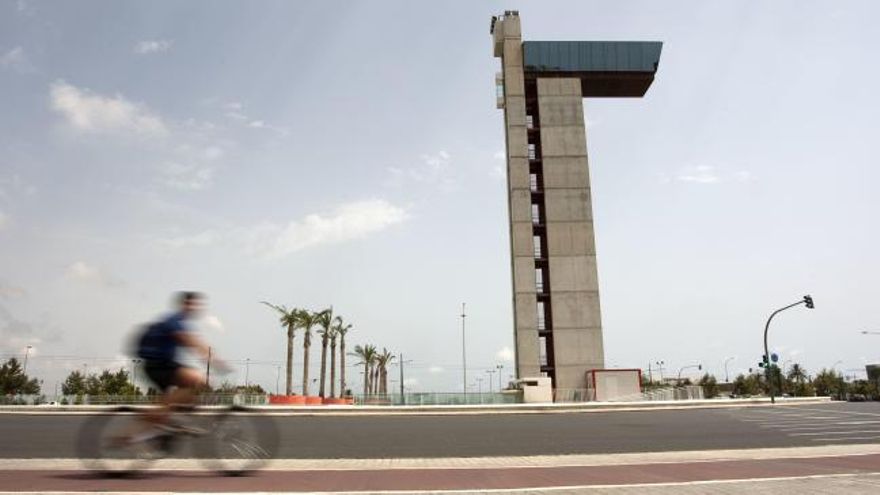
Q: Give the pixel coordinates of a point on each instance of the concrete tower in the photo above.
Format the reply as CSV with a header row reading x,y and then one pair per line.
x,y
557,320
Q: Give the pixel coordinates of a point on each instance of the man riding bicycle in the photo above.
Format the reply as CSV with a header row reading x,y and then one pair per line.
x,y
159,348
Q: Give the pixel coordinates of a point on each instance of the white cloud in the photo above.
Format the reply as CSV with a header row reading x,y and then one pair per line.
x,y
4,220
15,59
701,174
436,369
349,221
197,240
433,169
744,176
85,272
505,354
213,153
147,47
708,174
89,112
188,176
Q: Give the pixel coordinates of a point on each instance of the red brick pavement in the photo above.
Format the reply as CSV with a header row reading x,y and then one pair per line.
x,y
442,479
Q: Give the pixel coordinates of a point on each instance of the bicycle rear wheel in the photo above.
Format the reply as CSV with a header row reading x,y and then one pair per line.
x,y
115,443
238,441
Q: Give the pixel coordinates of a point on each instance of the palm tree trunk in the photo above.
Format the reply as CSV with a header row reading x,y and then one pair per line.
x,y
323,364
306,346
342,367
384,381
366,379
333,368
289,382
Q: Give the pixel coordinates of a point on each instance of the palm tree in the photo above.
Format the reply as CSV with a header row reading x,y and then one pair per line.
x,y
797,373
337,322
367,354
374,371
341,330
325,321
308,321
290,319
383,359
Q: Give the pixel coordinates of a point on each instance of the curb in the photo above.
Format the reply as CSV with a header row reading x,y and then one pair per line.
x,y
340,410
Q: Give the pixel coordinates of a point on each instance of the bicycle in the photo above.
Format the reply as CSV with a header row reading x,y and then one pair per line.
x,y
229,439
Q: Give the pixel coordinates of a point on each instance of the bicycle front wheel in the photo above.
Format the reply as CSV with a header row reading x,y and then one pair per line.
x,y
238,441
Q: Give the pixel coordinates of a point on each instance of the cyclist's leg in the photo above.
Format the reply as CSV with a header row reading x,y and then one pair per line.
x,y
187,381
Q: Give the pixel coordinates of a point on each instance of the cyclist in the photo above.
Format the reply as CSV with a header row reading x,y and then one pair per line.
x,y
159,347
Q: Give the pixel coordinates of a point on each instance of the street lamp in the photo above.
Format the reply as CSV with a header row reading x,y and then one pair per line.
x,y
765,363
698,366
490,372
499,367
726,374
463,353
247,373
27,350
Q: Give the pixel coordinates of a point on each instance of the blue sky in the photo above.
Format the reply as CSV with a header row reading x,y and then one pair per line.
x,y
347,153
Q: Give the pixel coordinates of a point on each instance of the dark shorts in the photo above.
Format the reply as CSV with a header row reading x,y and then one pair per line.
x,y
162,373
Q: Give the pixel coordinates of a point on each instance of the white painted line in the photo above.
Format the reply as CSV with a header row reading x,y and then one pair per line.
x,y
837,439
568,488
841,433
841,412
576,460
818,426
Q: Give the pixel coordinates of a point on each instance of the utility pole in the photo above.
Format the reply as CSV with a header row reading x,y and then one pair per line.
x,y
208,373
277,378
463,353
490,372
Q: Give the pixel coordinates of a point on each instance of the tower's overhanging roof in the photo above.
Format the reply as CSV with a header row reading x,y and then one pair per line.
x,y
606,68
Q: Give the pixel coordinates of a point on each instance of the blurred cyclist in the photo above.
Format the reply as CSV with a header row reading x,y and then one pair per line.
x,y
159,348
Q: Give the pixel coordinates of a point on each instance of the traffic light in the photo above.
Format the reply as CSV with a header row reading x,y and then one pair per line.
x,y
808,300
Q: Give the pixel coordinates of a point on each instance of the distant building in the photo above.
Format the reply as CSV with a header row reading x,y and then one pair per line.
x,y
557,320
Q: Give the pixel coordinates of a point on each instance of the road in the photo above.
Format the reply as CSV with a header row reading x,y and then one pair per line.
x,y
381,437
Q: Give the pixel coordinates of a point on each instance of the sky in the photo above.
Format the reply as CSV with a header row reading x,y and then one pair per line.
x,y
349,154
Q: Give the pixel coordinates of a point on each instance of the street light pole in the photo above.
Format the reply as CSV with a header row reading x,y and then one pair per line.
x,y
698,366
247,373
27,350
808,301
463,353
726,374
499,367
490,372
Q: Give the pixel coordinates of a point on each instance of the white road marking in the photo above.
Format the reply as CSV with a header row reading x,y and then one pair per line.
x,y
571,460
820,426
514,490
837,433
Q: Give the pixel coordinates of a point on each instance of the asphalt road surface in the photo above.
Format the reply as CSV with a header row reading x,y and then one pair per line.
x,y
374,437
